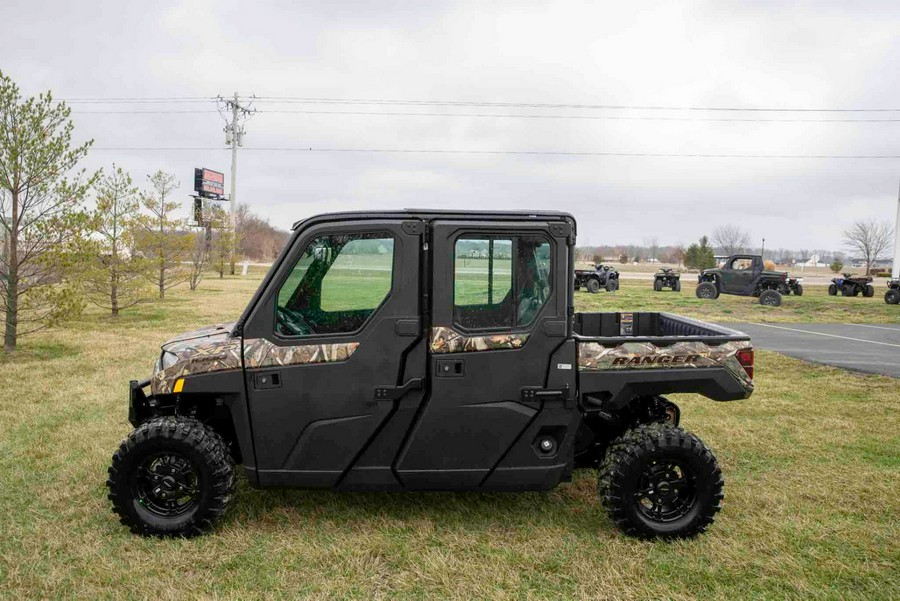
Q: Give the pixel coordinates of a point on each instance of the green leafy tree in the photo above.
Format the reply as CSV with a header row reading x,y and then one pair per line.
x,y
42,220
117,278
163,239
699,255
836,266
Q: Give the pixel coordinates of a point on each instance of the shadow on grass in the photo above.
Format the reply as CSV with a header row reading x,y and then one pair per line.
x,y
39,351
572,507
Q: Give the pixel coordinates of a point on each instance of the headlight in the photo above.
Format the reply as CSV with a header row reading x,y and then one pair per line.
x,y
166,360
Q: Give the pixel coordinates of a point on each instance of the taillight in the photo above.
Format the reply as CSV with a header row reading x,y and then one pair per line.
x,y
745,358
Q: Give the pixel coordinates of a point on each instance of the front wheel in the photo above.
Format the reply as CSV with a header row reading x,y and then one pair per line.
x,y
832,290
612,285
592,285
798,289
869,292
892,296
677,287
171,477
658,480
707,291
657,286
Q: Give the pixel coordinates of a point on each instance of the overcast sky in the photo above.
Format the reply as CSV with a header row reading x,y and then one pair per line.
x,y
814,55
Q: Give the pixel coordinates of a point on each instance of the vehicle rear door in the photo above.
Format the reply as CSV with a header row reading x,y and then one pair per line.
x,y
328,349
501,372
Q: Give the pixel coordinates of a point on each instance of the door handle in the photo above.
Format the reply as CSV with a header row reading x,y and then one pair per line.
x,y
266,380
392,393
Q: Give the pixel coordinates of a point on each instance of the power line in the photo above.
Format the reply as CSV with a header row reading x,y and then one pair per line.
x,y
516,153
364,101
508,116
402,102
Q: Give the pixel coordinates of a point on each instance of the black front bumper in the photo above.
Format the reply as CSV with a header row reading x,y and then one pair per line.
x,y
137,401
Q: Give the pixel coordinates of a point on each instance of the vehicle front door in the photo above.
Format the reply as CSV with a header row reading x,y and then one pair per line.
x,y
327,350
737,274
499,361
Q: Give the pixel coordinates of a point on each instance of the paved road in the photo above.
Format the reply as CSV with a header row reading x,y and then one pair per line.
x,y
871,348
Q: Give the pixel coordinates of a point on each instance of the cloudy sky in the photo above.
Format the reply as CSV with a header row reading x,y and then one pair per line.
x,y
774,54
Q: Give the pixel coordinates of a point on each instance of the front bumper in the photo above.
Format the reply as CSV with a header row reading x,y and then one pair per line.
x,y
138,402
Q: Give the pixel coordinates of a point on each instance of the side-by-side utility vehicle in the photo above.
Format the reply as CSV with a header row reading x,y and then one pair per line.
x,y
602,277
420,350
743,275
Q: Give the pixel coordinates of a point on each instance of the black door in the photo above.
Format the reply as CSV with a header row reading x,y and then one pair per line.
x,y
327,351
498,415
738,275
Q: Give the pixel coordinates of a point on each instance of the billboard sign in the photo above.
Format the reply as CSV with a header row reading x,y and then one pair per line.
x,y
209,183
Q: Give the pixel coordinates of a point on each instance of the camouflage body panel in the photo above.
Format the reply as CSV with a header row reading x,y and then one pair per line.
x,y
594,356
195,357
448,340
259,352
213,349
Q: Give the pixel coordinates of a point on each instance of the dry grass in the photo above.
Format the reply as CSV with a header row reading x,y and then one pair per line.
x,y
812,465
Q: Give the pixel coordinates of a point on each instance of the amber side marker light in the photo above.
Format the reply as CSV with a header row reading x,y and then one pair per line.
x,y
179,384
745,358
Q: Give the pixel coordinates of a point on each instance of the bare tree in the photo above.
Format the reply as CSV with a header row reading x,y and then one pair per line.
x,y
42,222
731,239
652,245
163,237
870,239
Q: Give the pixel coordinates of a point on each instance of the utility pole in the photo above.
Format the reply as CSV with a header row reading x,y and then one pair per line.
x,y
895,269
234,135
763,253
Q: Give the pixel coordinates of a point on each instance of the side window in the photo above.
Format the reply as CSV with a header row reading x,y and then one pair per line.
x,y
500,282
742,264
336,284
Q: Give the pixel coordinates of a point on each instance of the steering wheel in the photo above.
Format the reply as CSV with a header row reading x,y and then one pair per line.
x,y
292,322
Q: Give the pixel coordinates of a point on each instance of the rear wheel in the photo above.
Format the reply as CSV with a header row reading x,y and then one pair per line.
x,y
677,287
171,477
869,291
707,291
832,290
770,298
892,296
657,285
660,481
592,285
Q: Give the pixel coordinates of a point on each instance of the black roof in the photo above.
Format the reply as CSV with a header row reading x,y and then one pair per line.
x,y
437,214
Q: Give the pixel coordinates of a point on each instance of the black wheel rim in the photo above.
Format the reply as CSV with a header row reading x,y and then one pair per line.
x,y
666,492
167,484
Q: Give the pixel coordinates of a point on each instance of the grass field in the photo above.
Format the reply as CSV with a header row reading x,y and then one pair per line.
x,y
812,468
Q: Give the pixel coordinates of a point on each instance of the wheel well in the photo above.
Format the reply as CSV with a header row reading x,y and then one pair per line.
x,y
212,410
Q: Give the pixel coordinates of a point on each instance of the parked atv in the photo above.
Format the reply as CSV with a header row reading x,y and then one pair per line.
x,y
792,286
852,286
602,276
743,275
667,278
892,296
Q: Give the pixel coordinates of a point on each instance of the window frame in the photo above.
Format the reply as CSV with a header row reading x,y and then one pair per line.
x,y
515,235
376,231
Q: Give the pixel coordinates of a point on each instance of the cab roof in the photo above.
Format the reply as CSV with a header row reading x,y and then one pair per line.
x,y
429,214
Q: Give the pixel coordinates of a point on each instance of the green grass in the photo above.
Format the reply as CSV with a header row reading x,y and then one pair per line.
x,y
812,468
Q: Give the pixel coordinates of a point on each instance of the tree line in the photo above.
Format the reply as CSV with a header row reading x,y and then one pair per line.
x,y
69,238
